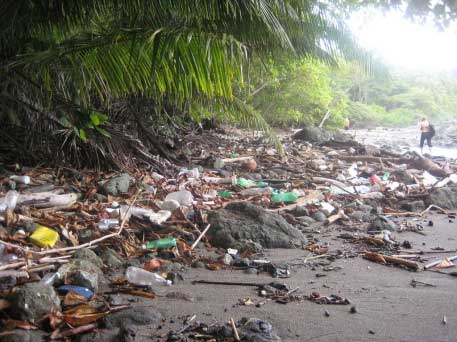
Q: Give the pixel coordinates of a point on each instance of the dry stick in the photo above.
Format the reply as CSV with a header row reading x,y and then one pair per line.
x,y
88,244
200,237
235,330
74,331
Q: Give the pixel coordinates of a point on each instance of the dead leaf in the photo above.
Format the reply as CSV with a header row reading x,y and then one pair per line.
x,y
82,315
72,298
12,324
445,263
154,264
139,293
4,304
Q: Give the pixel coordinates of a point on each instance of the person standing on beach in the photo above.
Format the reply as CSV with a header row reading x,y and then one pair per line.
x,y
426,134
347,124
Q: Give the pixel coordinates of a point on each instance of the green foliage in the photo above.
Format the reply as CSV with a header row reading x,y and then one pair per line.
x,y
296,93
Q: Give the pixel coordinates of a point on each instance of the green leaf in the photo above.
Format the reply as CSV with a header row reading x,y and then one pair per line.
x,y
82,135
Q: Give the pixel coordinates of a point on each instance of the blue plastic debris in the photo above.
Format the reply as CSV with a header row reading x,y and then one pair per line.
x,y
82,291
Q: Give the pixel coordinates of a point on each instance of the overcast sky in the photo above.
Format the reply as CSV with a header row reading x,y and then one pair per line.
x,y
402,43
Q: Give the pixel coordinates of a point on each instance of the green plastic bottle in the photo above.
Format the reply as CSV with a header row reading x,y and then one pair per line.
x,y
161,243
225,194
262,184
284,197
245,183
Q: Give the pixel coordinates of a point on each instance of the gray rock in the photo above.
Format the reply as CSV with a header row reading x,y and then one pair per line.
x,y
174,267
403,177
319,216
372,150
24,336
241,223
117,185
368,209
140,315
82,273
32,301
251,270
306,220
257,330
89,255
412,206
382,223
360,216
111,259
313,135
101,198
300,211
445,198
107,335
198,264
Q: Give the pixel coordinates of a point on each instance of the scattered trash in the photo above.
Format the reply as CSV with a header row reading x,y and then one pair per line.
x,y
44,237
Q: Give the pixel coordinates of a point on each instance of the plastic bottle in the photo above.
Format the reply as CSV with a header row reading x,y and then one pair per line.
x,y
139,276
106,224
225,194
184,197
8,258
161,243
262,184
256,191
9,201
50,278
284,197
245,183
21,179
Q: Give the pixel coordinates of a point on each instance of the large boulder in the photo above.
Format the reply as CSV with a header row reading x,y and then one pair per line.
x,y
242,222
445,198
313,134
32,301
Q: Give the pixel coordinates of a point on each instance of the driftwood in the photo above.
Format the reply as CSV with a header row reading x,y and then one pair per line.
x,y
47,199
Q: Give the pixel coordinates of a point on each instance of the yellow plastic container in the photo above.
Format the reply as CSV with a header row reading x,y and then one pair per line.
x,y
44,237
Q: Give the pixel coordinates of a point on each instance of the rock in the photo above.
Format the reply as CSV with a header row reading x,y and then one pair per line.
x,y
251,270
319,216
306,220
89,255
368,209
371,150
360,216
403,176
32,301
23,336
242,223
101,198
412,206
111,259
257,330
107,335
382,223
445,198
140,315
117,185
198,264
82,273
313,134
300,211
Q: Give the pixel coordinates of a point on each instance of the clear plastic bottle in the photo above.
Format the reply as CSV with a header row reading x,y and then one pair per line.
x,y
139,276
50,278
184,198
256,191
9,201
106,224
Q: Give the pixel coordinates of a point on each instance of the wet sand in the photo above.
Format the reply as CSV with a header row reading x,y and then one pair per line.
x,y
387,304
